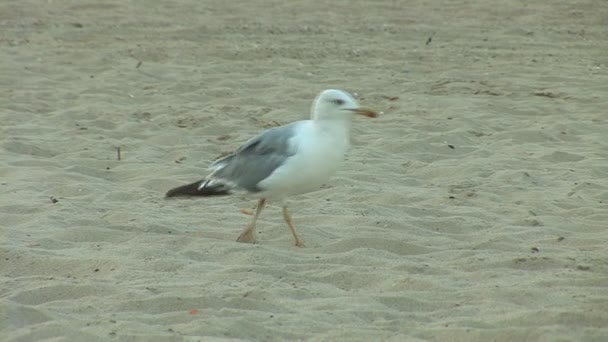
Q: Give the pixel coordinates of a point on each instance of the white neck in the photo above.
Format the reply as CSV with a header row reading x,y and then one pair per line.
x,y
335,126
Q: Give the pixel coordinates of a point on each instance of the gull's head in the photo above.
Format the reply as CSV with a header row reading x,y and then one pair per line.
x,y
333,104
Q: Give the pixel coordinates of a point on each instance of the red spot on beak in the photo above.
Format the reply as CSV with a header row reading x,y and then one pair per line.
x,y
371,114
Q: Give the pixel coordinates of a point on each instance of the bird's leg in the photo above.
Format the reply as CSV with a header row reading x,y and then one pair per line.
x,y
248,235
287,218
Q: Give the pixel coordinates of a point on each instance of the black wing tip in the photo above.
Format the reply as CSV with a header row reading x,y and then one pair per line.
x,y
194,190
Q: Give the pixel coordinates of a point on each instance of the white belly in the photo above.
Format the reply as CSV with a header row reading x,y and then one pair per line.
x,y
320,154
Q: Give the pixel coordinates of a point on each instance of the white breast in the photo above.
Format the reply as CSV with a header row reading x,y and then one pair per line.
x,y
320,152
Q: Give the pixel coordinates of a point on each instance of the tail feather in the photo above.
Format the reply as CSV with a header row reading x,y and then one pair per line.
x,y
200,188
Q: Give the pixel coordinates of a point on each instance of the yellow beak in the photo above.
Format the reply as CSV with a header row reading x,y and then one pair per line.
x,y
370,113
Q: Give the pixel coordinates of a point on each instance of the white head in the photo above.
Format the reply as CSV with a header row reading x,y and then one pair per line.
x,y
333,104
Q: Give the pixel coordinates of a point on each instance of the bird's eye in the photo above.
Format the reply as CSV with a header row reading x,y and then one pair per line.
x,y
339,102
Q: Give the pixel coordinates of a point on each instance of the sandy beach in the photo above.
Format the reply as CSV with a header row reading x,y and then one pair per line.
x,y
475,208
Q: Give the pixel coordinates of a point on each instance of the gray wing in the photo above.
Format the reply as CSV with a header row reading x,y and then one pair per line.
x,y
256,159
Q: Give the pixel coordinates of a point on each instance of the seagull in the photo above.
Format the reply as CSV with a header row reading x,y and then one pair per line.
x,y
284,161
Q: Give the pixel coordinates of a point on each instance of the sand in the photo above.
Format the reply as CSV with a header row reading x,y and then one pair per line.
x,y
474,209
